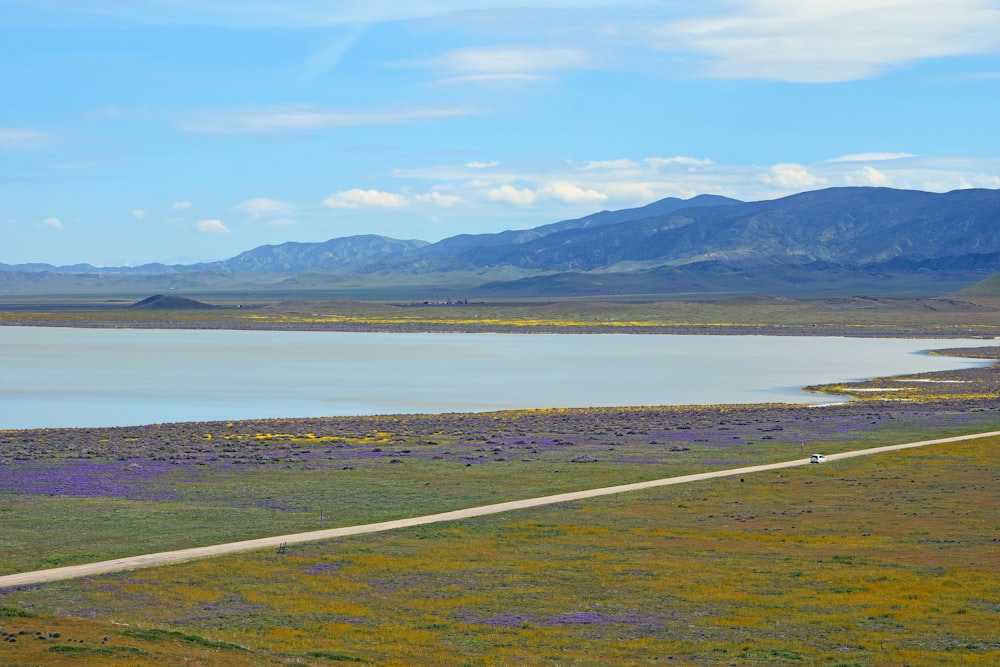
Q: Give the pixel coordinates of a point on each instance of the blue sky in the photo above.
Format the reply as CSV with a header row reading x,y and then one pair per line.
x,y
189,130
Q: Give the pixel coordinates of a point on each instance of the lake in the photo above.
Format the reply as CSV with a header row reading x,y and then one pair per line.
x,y
65,377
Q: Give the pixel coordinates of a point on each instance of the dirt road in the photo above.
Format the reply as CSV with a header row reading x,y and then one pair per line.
x,y
151,560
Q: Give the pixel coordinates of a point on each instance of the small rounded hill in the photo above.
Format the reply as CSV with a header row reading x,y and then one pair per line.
x,y
165,302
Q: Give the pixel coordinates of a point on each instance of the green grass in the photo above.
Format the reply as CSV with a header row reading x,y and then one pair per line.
x,y
158,635
876,561
11,612
213,505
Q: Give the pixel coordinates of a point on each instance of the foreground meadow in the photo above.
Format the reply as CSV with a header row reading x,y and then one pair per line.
x,y
885,560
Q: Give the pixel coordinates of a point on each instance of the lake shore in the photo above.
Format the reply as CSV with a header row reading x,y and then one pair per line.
x,y
849,316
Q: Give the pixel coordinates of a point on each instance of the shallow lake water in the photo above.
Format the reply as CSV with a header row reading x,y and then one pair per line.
x,y
61,377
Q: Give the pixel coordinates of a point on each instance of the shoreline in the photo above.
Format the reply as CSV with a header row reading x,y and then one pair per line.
x,y
858,331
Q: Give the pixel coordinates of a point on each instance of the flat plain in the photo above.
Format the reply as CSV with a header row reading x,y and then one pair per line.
x,y
885,560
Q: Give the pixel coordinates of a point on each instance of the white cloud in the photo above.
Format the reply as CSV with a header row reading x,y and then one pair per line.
x,y
792,176
832,40
787,40
510,80
330,55
871,157
504,66
678,161
358,198
53,222
212,227
868,176
567,188
138,213
572,194
559,190
181,205
300,117
481,165
638,192
18,138
501,60
611,164
439,199
512,195
262,206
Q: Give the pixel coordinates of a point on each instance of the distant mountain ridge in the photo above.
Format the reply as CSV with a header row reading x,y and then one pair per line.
x,y
863,232
292,257
334,254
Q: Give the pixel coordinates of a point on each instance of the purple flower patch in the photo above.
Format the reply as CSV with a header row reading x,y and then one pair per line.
x,y
577,618
81,478
321,568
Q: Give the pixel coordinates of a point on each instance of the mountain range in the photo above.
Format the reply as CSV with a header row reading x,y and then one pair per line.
x,y
861,238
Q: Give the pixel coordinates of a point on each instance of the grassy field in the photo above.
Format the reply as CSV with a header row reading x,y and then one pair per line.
x,y
76,495
887,560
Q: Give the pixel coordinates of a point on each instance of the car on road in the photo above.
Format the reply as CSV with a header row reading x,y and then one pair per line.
x,y
817,458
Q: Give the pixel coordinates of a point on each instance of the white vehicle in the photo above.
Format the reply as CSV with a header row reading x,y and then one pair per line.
x,y
817,458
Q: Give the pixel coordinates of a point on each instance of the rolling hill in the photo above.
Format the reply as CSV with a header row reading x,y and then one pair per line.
x,y
877,240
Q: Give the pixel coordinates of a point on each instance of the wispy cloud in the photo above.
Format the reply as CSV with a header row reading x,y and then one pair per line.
x,y
571,193
830,40
563,191
506,66
871,157
439,199
358,198
300,117
508,62
181,205
330,54
505,80
793,177
53,222
512,195
611,164
678,161
212,227
869,176
262,206
19,138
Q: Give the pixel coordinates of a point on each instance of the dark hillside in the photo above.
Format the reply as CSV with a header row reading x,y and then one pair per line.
x,y
987,288
161,302
842,226
294,258
478,250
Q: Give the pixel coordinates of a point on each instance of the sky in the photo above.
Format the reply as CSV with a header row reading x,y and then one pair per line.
x,y
180,131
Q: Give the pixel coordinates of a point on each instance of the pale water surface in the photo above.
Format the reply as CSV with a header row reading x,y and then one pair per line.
x,y
56,377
